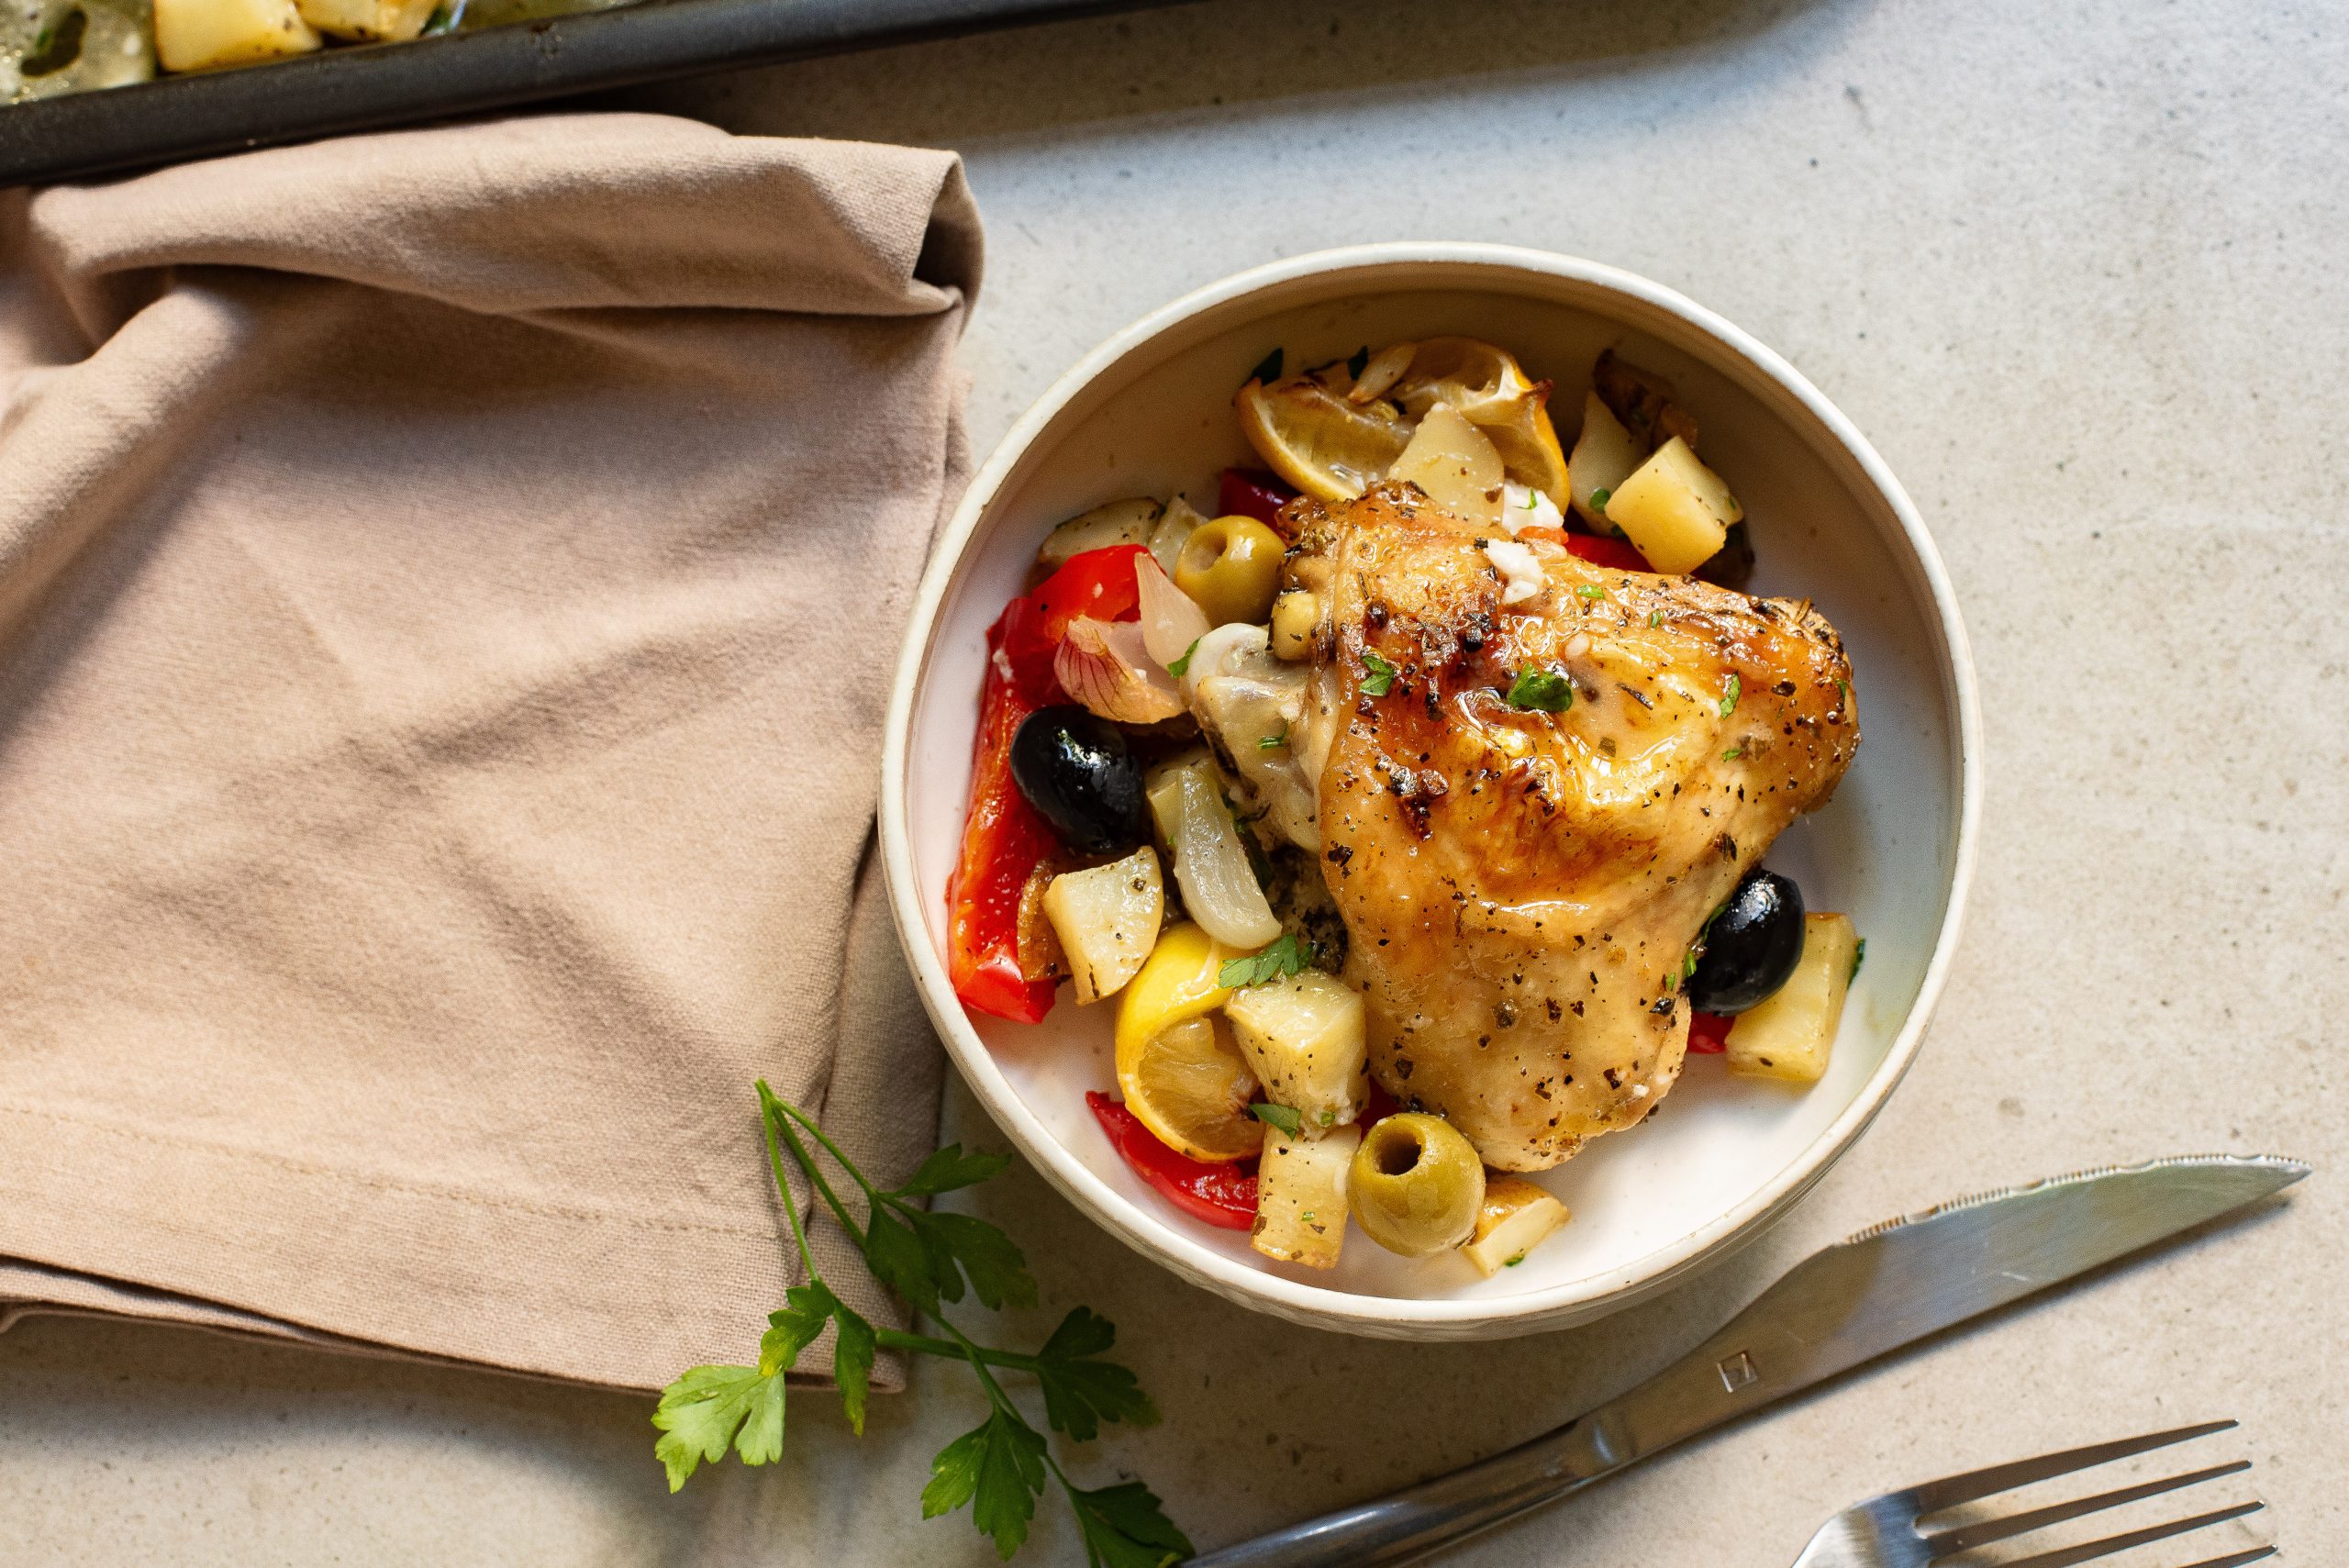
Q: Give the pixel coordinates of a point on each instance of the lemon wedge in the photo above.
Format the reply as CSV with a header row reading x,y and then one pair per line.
x,y
1492,391
1190,1085
1330,447
1178,1066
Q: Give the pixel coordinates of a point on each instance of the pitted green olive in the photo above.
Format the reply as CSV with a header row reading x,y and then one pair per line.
x,y
1416,1184
1231,567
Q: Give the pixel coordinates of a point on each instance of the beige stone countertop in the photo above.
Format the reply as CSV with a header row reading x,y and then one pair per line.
x,y
2078,270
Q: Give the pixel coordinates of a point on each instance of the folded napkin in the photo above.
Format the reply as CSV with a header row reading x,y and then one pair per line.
x,y
449,581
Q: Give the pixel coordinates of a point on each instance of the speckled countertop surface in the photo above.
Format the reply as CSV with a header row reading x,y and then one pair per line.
x,y
2076,269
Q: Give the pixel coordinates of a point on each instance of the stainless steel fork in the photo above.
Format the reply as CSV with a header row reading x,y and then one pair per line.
x,y
1883,1532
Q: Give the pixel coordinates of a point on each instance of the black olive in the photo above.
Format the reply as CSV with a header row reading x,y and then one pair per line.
x,y
1076,770
1750,948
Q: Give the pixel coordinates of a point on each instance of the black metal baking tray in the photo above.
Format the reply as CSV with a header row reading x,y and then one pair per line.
x,y
116,128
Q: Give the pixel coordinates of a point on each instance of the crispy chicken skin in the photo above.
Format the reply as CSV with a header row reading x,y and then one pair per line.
x,y
1520,886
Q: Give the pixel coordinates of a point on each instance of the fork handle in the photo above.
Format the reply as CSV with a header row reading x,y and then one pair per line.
x,y
1418,1519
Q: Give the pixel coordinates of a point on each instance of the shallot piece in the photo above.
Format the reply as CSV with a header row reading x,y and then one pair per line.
x,y
1383,372
1104,665
1171,622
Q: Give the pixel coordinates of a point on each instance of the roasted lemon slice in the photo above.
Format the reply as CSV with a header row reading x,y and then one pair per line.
x,y
1491,389
1190,1085
1330,447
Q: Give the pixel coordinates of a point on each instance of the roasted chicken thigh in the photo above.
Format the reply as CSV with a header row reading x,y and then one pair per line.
x,y
1533,780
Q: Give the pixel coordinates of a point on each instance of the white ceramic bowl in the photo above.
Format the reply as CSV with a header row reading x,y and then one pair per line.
x,y
1149,412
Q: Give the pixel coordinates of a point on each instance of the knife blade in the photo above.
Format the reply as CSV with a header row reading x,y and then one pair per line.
x,y
1887,1288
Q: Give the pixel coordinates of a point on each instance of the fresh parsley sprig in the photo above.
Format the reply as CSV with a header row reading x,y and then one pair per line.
x,y
998,1468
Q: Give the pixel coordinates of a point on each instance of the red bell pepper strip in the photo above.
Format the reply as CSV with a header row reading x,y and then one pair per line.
x,y
1003,838
1610,555
1220,1195
1251,492
1708,1034
1097,583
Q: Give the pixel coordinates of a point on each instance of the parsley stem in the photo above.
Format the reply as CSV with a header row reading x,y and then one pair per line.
x,y
871,1192
779,1110
978,1359
790,1204
898,1339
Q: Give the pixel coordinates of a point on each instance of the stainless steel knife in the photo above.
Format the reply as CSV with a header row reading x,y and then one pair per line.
x,y
1885,1288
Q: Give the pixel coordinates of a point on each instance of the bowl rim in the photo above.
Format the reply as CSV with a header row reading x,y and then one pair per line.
x,y
1164,1238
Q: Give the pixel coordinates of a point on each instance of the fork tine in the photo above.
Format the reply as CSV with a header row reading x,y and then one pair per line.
x,y
1949,1491
2064,1557
1948,1542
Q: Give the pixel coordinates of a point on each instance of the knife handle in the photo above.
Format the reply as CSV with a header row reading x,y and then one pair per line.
x,y
1698,1391
1418,1519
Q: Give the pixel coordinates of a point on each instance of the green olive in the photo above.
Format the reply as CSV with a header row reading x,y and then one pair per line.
x,y
1231,567
1416,1184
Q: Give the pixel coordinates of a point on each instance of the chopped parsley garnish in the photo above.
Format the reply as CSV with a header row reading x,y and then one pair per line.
x,y
1268,369
1542,691
1859,957
1655,618
1512,1263
1733,755
1274,742
1288,954
1843,688
1729,694
1356,363
1533,500
1181,667
1287,1120
1591,590
1380,675
1599,497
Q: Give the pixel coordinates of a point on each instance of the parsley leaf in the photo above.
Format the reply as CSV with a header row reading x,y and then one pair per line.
x,y
1125,1527
1599,497
1590,591
1655,618
794,1328
1733,755
998,1467
1729,694
956,1245
1288,954
948,1168
1268,369
1082,1391
1859,957
1181,666
1380,677
853,1363
897,1260
1542,691
700,1414
1282,1116
1273,742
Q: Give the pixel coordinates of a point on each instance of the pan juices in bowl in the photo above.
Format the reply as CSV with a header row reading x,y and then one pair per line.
x,y
1152,414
